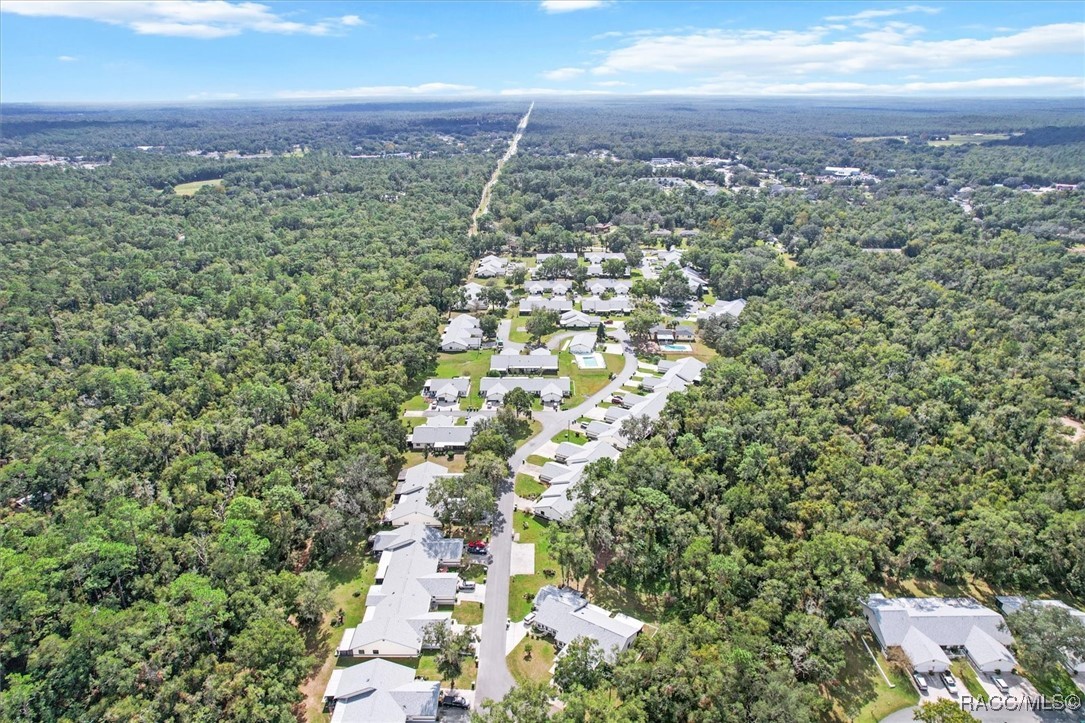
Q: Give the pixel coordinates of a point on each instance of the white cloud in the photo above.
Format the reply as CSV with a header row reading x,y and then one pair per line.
x,y
867,15
611,83
568,6
974,86
179,18
382,91
67,58
551,91
563,73
788,53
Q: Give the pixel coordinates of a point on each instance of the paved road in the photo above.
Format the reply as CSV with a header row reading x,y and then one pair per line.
x,y
494,680
484,202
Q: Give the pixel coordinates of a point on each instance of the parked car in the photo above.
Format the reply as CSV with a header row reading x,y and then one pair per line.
x,y
455,701
530,618
1000,683
615,400
467,585
950,682
478,547
583,425
920,682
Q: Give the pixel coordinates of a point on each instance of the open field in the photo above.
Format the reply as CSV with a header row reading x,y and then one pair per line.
x,y
871,139
969,138
468,613
863,696
189,189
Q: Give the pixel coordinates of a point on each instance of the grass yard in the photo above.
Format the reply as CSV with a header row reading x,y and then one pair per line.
x,y
472,364
566,435
703,352
189,189
528,487
522,588
966,674
537,459
862,694
472,571
587,382
427,668
458,463
535,668
468,613
352,573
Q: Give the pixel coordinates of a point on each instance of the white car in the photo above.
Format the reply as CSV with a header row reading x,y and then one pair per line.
x,y
467,585
1001,684
950,682
530,618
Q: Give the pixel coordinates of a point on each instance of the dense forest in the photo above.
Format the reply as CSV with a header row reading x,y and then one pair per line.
x,y
200,395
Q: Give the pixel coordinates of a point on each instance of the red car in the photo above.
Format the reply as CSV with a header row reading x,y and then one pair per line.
x,y
478,547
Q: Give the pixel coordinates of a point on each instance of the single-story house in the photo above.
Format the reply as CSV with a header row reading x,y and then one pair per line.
x,y
441,434
578,320
380,690
559,304
723,308
539,258
595,430
407,590
409,503
558,287
567,615
695,278
660,233
447,391
551,394
662,334
494,389
598,287
928,630
462,333
545,363
630,400
583,343
490,266
617,305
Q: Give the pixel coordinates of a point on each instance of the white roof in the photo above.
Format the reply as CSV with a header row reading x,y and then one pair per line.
x,y
720,308
550,391
571,616
534,385
379,690
412,492
586,340
410,556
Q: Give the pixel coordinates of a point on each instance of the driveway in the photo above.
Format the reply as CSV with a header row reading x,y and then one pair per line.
x,y
494,680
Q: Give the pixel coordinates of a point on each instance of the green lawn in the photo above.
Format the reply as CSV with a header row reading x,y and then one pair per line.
x,y
468,613
350,577
862,694
522,588
536,667
537,459
189,189
566,435
458,463
587,382
528,487
966,674
427,668
1058,683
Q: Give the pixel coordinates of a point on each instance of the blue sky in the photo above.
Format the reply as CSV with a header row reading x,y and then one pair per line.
x,y
218,50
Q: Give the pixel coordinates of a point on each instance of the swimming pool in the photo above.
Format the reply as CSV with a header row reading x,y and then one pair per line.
x,y
676,347
590,361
